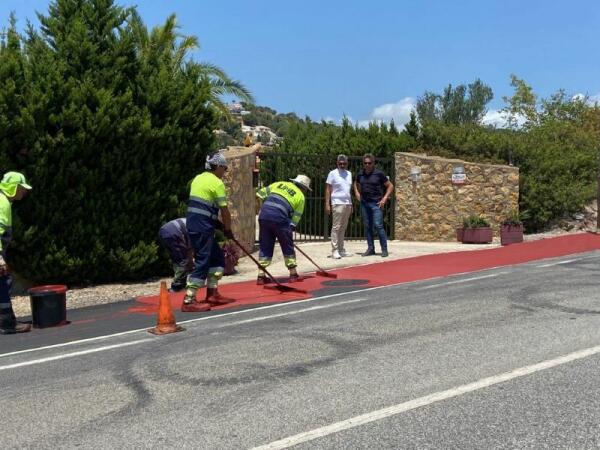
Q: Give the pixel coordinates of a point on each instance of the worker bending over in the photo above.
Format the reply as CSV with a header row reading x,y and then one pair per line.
x,y
282,208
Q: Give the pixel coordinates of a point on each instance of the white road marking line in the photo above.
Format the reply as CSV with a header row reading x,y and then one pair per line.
x,y
559,262
71,355
426,400
465,280
291,313
246,311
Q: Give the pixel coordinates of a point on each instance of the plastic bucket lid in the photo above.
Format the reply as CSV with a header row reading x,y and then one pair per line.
x,y
48,289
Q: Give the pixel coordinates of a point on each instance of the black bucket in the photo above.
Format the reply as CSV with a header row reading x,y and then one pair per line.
x,y
48,305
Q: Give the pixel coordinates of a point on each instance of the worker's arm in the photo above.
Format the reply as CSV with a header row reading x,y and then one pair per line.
x,y
226,219
389,189
263,193
298,211
328,198
221,200
5,228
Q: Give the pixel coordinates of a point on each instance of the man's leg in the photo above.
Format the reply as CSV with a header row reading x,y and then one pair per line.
x,y
8,321
215,273
336,216
367,216
266,243
286,241
346,211
378,223
181,272
202,243
179,254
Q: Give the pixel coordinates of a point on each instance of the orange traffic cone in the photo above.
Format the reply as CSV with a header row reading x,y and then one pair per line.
x,y
166,319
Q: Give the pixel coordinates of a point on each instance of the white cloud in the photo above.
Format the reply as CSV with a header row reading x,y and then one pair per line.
x,y
399,112
591,99
495,118
594,99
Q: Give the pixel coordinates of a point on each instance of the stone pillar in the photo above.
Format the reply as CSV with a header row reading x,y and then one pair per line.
x,y
238,180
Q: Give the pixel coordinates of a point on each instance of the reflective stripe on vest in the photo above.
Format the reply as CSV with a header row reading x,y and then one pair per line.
x,y
279,205
203,201
202,212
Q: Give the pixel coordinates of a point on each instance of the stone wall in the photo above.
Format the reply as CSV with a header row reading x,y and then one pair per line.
x,y
238,180
431,208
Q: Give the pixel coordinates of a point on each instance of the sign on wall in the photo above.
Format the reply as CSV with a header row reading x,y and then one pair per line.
x,y
458,175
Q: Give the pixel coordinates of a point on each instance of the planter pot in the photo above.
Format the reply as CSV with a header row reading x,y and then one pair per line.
x,y
511,234
459,234
477,235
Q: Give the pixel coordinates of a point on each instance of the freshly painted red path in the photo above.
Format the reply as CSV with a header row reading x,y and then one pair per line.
x,y
389,272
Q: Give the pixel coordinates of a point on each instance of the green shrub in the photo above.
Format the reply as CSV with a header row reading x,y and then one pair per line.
x,y
475,221
113,127
514,219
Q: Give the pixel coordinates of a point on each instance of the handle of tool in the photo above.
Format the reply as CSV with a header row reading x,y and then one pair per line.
x,y
308,257
256,262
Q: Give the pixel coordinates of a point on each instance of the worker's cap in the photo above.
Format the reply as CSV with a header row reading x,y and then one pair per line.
x,y
15,179
342,158
303,181
216,159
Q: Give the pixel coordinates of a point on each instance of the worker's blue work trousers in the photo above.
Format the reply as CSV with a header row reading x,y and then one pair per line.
x,y
208,256
270,231
372,216
7,316
175,241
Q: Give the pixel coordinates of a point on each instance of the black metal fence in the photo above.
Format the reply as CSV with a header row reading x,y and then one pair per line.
x,y
315,224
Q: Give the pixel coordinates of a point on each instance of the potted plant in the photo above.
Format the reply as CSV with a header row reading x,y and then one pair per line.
x,y
511,229
475,230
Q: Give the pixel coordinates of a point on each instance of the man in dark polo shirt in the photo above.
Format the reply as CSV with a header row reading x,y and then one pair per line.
x,y
373,189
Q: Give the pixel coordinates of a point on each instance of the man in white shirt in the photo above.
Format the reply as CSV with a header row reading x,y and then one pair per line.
x,y
338,204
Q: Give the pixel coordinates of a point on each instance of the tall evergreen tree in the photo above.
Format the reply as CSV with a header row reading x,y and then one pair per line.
x,y
114,136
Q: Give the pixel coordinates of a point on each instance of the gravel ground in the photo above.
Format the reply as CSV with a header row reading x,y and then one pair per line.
x,y
319,251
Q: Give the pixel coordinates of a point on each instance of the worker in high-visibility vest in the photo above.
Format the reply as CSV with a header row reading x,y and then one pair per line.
x,y
282,208
207,198
13,187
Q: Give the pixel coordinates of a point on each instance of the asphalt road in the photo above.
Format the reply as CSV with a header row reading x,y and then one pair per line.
x,y
503,358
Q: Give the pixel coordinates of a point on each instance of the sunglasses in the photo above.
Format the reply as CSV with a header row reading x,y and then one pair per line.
x,y
367,163
343,163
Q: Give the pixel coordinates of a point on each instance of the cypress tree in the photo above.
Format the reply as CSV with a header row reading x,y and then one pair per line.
x,y
114,133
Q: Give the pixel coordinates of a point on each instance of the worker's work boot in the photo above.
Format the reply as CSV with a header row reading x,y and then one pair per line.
x,y
215,299
17,327
191,305
294,277
262,279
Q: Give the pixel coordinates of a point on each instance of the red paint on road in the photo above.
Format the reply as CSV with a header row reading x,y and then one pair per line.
x,y
397,271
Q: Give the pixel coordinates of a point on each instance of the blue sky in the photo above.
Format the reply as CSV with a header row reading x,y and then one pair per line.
x,y
371,60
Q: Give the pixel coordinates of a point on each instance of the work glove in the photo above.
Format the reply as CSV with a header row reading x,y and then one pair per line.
x,y
228,234
219,225
3,266
292,227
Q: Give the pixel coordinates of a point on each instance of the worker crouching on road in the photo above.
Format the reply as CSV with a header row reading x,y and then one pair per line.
x,y
207,198
282,208
13,187
174,237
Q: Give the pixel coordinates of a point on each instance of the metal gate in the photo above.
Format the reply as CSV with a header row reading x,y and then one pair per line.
x,y
315,224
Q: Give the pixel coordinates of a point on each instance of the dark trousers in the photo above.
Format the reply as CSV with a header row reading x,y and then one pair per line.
x,y
7,315
372,216
269,232
181,258
207,255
